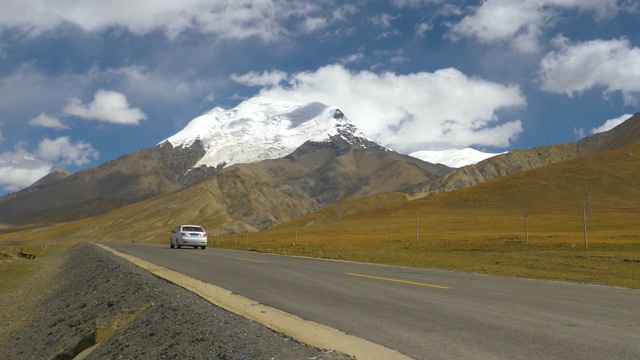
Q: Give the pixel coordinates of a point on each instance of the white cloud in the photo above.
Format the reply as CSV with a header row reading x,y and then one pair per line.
x,y
611,64
107,106
611,123
47,121
383,20
522,22
21,168
343,12
238,19
422,28
266,78
414,3
440,110
62,150
353,58
313,24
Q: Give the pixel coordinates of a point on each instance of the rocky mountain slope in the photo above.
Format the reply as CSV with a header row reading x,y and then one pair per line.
x,y
128,179
523,160
249,197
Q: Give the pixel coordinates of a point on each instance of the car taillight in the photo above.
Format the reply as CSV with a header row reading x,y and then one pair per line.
x,y
184,234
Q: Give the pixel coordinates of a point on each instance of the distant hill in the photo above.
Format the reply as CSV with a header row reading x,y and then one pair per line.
x,y
523,160
553,196
130,178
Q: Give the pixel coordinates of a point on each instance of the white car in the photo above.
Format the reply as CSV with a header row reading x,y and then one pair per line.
x,y
189,235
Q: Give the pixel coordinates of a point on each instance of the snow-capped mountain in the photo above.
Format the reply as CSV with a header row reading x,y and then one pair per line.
x,y
262,128
453,158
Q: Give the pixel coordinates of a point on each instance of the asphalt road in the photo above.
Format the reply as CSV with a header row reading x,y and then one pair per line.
x,y
425,313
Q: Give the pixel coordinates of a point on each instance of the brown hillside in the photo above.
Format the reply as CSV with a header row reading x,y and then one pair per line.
x,y
251,197
132,177
227,203
324,173
606,183
523,160
621,136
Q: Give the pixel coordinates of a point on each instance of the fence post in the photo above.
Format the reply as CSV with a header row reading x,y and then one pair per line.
x,y
584,220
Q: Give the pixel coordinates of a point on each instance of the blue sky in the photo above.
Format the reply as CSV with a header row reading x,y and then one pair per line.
x,y
84,82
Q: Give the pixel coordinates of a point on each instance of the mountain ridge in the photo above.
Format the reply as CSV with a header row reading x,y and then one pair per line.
x,y
517,161
169,167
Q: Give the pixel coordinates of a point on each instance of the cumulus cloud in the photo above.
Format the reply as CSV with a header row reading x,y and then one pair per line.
x,y
20,168
62,150
611,123
440,110
47,121
522,22
611,64
107,106
238,19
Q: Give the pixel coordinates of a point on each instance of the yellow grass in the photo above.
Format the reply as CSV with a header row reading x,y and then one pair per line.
x,y
450,231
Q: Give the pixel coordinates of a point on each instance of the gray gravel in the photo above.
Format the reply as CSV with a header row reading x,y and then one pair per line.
x,y
99,292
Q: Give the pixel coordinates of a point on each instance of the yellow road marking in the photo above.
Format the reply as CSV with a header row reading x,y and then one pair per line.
x,y
401,281
258,261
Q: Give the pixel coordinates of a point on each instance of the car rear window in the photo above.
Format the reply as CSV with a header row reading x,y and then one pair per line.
x,y
192,228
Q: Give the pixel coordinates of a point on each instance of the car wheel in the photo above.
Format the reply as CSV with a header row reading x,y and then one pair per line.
x,y
178,245
171,244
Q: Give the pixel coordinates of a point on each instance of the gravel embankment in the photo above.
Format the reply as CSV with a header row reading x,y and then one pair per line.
x,y
131,314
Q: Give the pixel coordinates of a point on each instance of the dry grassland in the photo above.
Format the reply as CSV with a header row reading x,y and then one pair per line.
x,y
489,242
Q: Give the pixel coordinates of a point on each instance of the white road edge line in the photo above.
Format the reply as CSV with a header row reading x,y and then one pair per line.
x,y
308,332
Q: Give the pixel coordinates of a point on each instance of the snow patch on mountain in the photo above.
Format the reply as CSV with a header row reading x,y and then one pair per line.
x,y
453,158
261,128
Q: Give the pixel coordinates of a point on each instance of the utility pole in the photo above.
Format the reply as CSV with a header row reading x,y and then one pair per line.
x,y
526,226
417,232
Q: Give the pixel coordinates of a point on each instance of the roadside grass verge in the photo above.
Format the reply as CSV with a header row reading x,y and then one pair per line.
x,y
603,263
19,263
